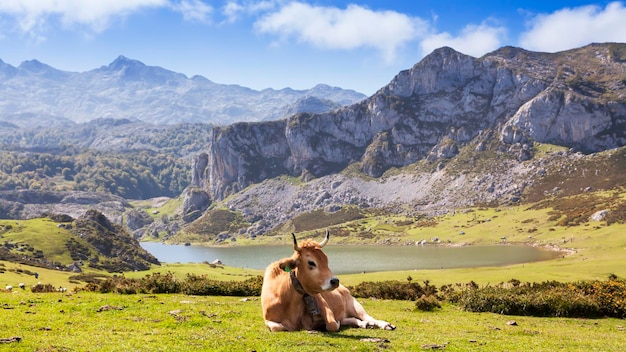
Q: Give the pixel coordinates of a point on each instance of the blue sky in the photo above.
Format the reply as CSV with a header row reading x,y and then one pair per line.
x,y
358,45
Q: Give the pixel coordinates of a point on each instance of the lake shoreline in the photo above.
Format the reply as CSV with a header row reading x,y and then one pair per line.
x,y
351,258
550,247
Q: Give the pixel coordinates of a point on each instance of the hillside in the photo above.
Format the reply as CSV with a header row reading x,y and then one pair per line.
x,y
453,131
90,242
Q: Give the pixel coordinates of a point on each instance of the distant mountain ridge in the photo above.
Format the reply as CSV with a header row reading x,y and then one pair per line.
x,y
35,93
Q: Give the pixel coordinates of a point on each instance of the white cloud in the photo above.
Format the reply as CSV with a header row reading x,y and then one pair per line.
x,y
350,28
474,40
34,17
233,10
193,10
573,27
33,14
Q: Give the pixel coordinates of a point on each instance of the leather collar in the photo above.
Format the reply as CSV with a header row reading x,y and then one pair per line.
x,y
296,284
309,301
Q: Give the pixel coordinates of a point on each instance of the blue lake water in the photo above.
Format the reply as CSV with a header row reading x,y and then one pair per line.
x,y
356,259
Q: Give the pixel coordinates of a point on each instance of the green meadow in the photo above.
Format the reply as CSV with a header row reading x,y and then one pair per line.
x,y
87,321
164,322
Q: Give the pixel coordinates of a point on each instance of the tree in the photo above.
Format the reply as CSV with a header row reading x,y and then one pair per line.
x,y
67,174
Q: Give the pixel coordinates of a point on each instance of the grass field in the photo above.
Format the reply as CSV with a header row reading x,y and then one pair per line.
x,y
108,322
111,322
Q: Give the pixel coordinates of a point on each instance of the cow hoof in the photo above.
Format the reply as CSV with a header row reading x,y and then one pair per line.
x,y
390,327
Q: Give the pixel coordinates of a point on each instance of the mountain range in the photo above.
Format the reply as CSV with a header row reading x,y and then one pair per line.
x,y
453,131
575,99
36,94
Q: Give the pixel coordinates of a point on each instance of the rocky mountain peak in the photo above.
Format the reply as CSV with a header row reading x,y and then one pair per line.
x,y
432,111
123,62
34,66
37,69
7,70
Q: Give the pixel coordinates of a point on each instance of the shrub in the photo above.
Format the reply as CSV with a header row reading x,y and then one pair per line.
x,y
427,303
43,288
168,283
547,299
409,291
200,285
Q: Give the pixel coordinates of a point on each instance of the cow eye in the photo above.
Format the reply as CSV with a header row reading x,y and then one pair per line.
x,y
312,264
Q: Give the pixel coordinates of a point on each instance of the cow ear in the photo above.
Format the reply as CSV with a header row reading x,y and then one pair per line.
x,y
287,264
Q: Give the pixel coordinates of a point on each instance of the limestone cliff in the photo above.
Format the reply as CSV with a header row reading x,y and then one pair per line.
x,y
575,98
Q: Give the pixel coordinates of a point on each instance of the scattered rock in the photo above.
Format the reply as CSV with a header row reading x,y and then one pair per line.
x,y
599,215
10,339
208,315
511,322
374,339
109,307
434,346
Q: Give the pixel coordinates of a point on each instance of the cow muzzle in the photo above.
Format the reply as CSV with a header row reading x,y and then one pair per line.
x,y
331,284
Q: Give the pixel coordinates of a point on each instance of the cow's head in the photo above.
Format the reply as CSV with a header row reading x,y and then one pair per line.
x,y
311,266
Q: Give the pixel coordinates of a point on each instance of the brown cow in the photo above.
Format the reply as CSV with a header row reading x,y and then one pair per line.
x,y
301,292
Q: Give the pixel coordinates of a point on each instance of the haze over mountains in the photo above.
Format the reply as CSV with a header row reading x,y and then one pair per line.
x,y
35,94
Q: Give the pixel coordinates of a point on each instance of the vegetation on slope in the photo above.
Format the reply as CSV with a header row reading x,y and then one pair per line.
x,y
91,242
133,175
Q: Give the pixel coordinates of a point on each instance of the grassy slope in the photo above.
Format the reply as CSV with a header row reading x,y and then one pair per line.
x,y
42,234
71,322
598,249
56,322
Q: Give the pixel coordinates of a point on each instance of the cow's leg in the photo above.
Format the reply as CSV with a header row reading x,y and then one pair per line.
x,y
362,319
354,322
332,325
274,326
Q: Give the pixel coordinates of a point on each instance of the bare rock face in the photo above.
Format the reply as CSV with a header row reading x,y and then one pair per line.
x,y
26,204
432,111
195,201
136,219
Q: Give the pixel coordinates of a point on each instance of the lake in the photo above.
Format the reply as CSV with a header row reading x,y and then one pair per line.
x,y
357,259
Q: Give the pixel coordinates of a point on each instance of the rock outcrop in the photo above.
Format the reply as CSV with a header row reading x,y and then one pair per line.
x,y
28,204
117,250
575,98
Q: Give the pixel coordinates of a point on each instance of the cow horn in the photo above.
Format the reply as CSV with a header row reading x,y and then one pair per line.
x,y
325,241
295,243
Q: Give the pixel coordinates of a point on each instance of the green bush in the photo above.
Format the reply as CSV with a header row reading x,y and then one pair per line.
x,y
200,285
408,291
427,303
168,283
588,299
43,288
